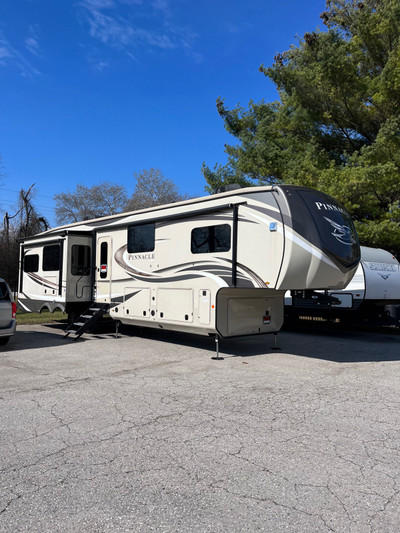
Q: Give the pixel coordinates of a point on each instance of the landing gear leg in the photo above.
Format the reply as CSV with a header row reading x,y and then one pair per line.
x,y
217,357
275,346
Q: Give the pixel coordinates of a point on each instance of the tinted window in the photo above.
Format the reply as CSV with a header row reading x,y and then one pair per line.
x,y
103,259
209,239
141,238
104,253
51,257
4,295
31,263
80,260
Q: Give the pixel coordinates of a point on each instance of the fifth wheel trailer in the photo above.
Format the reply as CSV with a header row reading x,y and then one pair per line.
x,y
372,296
218,265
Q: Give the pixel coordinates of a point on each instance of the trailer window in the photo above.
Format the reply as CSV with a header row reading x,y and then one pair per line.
x,y
80,260
141,238
103,260
209,239
51,257
31,263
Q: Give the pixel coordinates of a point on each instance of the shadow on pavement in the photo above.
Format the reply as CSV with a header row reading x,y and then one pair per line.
x,y
31,337
340,346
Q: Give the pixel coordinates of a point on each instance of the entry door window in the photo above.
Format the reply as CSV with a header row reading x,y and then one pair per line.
x,y
103,260
80,260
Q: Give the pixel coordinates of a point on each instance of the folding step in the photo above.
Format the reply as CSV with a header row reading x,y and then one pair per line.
x,y
86,320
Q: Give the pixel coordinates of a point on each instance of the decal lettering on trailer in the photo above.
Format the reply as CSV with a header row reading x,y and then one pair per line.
x,y
383,267
329,207
136,257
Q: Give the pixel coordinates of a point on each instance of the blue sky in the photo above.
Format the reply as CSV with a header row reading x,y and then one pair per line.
x,y
95,90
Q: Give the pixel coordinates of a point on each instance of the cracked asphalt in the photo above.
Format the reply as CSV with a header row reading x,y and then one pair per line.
x,y
149,433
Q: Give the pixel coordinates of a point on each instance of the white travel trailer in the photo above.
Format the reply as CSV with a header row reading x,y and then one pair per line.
x,y
218,265
372,295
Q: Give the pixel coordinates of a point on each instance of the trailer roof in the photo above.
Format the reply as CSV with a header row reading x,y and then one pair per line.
x,y
377,255
86,226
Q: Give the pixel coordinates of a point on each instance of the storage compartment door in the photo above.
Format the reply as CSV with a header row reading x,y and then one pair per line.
x,y
204,307
175,305
249,311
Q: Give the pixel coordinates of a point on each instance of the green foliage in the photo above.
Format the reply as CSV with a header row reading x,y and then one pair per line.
x,y
224,175
337,125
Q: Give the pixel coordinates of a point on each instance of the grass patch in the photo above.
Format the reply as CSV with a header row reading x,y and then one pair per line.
x,y
41,318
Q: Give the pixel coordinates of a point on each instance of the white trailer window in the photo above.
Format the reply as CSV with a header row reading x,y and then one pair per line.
x,y
31,263
51,257
210,239
141,238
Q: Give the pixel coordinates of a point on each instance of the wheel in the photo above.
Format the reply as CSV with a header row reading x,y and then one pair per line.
x,y
4,340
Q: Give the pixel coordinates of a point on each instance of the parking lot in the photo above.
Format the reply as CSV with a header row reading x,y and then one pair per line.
x,y
149,433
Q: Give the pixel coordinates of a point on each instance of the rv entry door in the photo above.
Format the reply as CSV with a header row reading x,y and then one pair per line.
x,y
79,269
103,268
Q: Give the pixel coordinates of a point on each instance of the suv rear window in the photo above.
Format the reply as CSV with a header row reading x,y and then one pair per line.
x,y
4,294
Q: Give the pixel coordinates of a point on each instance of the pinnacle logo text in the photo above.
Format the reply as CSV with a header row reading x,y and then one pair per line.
x,y
329,207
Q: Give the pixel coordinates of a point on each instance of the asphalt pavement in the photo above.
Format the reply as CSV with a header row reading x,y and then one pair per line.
x,y
146,432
